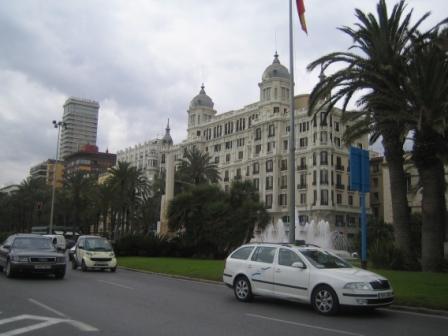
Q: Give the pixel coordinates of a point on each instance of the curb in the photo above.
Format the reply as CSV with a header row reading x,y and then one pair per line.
x,y
420,310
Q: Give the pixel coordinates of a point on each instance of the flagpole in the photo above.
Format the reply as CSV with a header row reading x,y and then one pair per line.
x,y
292,149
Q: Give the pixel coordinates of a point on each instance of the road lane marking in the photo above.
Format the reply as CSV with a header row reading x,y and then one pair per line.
x,y
47,308
44,322
337,331
416,314
23,330
115,284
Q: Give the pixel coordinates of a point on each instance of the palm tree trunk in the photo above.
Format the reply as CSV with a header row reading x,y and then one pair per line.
x,y
393,151
432,178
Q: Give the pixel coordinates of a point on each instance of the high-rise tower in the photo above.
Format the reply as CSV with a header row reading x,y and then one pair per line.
x,y
81,118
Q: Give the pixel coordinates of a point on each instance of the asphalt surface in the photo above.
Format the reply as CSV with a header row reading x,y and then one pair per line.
x,y
133,303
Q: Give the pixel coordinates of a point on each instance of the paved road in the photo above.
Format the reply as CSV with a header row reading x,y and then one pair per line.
x,y
131,303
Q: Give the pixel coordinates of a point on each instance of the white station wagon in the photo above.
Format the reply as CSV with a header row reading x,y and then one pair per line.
x,y
304,273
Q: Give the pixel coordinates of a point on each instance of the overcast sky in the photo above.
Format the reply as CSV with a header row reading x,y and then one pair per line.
x,y
144,60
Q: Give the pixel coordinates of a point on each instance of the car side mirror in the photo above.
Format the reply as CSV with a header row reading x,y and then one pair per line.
x,y
7,247
81,247
298,264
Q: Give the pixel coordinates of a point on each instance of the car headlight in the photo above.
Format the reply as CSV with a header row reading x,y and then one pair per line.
x,y
112,254
20,259
358,285
89,254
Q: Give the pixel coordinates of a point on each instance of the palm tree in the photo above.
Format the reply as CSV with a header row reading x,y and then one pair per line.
x,y
129,187
374,72
425,93
78,189
196,168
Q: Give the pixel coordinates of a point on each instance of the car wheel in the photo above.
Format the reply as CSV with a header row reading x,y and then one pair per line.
x,y
113,269
59,274
242,289
324,300
8,270
83,266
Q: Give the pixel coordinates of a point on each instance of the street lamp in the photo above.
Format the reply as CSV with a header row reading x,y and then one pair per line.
x,y
58,125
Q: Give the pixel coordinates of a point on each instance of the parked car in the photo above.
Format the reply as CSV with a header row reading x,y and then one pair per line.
x,y
31,253
58,241
304,273
94,252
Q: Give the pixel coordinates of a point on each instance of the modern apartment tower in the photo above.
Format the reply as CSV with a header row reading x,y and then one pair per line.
x,y
81,118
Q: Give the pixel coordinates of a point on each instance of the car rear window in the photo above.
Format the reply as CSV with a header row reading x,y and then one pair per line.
x,y
242,253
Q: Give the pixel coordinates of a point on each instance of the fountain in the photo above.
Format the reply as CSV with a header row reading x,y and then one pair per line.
x,y
312,233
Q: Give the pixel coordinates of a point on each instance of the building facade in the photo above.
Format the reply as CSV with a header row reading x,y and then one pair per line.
x,y
148,156
252,143
90,161
45,170
81,118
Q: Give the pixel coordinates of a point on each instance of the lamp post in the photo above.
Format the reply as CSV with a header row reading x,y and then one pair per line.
x,y
58,125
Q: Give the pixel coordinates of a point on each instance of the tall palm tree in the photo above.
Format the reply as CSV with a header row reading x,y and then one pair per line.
x,y
78,189
129,187
196,168
425,93
374,70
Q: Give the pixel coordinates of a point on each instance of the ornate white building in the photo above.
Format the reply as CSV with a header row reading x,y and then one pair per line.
x,y
252,144
148,156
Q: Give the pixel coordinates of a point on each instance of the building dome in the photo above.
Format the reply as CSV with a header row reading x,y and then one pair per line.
x,y
275,70
201,100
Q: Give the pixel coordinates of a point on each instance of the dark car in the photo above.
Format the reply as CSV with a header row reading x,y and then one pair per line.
x,y
31,253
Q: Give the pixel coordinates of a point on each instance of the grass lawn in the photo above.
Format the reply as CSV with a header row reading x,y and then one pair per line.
x,y
429,290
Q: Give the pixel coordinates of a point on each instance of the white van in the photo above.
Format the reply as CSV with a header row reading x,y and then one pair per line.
x,y
58,241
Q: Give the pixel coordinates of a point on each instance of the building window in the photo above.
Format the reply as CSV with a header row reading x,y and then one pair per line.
x,y
351,221
269,182
339,221
350,200
338,198
226,176
257,149
271,146
269,166
324,177
216,159
303,198
258,134
271,131
336,126
285,145
337,142
256,183
282,200
228,144
303,142
238,174
283,164
240,155
324,197
283,182
217,148
247,170
302,184
268,201
255,168
227,157
276,109
323,158
323,137
314,197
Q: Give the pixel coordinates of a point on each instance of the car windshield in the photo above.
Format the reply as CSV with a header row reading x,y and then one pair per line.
x,y
32,243
97,244
324,259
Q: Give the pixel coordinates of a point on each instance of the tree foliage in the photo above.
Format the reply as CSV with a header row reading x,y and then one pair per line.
x,y
213,221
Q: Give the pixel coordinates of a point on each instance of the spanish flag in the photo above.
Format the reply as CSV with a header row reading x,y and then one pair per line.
x,y
301,11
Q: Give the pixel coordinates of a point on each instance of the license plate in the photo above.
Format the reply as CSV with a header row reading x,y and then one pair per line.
x,y
385,295
100,264
42,266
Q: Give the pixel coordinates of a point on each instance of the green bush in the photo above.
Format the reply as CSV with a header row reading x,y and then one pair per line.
x,y
146,246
